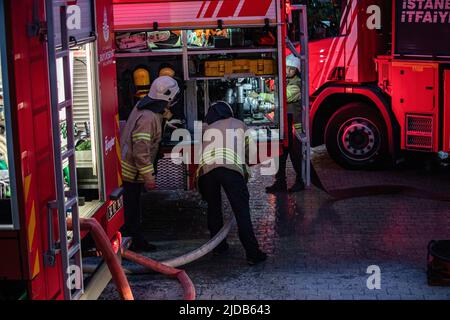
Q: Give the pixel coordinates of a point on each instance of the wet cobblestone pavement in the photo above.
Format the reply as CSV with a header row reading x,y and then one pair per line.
x,y
319,248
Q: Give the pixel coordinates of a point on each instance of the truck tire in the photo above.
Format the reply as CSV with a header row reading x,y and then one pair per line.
x,y
356,138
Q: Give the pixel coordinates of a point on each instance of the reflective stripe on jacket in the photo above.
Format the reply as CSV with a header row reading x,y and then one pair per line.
x,y
140,141
218,154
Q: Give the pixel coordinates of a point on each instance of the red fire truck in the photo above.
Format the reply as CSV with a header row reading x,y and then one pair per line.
x,y
58,142
380,79
59,139
378,85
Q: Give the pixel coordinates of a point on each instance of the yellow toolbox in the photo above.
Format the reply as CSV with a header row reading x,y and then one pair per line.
x,y
220,68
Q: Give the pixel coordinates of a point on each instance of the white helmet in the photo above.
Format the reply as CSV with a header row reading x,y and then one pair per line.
x,y
164,88
293,61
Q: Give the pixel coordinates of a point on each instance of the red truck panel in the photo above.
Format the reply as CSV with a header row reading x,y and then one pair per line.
x,y
29,90
415,93
136,15
109,113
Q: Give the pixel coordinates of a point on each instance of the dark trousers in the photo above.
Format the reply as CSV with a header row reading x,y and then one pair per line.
x,y
132,209
237,193
293,151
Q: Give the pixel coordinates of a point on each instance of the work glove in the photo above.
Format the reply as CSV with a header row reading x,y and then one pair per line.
x,y
150,183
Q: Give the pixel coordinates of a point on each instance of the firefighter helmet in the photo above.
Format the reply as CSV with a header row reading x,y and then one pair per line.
x,y
141,78
164,88
293,61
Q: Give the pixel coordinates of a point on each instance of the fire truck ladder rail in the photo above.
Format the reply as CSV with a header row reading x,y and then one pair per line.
x,y
66,203
65,104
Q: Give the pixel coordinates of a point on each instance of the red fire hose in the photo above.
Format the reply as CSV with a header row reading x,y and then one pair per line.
x,y
186,283
118,275
104,246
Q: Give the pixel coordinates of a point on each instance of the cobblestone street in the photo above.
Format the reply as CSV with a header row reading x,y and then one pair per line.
x,y
319,248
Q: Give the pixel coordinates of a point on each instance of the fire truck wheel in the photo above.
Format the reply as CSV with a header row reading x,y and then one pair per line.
x,y
356,138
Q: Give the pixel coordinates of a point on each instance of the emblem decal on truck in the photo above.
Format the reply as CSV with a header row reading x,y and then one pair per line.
x,y
105,25
109,144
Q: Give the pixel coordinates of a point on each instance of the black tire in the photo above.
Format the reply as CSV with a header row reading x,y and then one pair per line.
x,y
356,137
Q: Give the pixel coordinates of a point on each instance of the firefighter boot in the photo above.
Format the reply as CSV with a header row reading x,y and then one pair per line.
x,y
254,259
278,186
298,186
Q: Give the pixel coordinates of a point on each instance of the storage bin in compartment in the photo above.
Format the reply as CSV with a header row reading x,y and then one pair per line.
x,y
220,68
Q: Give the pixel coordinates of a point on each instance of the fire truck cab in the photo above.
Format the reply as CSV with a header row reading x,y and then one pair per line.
x,y
379,79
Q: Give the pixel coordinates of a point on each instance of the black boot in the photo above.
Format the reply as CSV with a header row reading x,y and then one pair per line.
x,y
278,186
298,186
256,258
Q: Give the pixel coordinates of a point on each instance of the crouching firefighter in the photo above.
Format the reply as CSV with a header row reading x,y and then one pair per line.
x,y
221,167
140,141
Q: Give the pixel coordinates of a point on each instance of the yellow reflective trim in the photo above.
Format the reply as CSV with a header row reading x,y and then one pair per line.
x,y
128,174
128,166
31,227
142,136
221,153
223,157
142,171
128,170
27,186
146,167
141,139
36,267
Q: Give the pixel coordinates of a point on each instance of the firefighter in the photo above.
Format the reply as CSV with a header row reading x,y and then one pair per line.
x,y
140,141
293,95
221,168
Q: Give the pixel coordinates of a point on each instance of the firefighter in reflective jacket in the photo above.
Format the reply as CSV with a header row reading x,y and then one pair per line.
x,y
140,141
293,95
222,167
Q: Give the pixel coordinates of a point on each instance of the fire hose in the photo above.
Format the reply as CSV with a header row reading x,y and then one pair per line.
x,y
186,283
188,257
103,244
